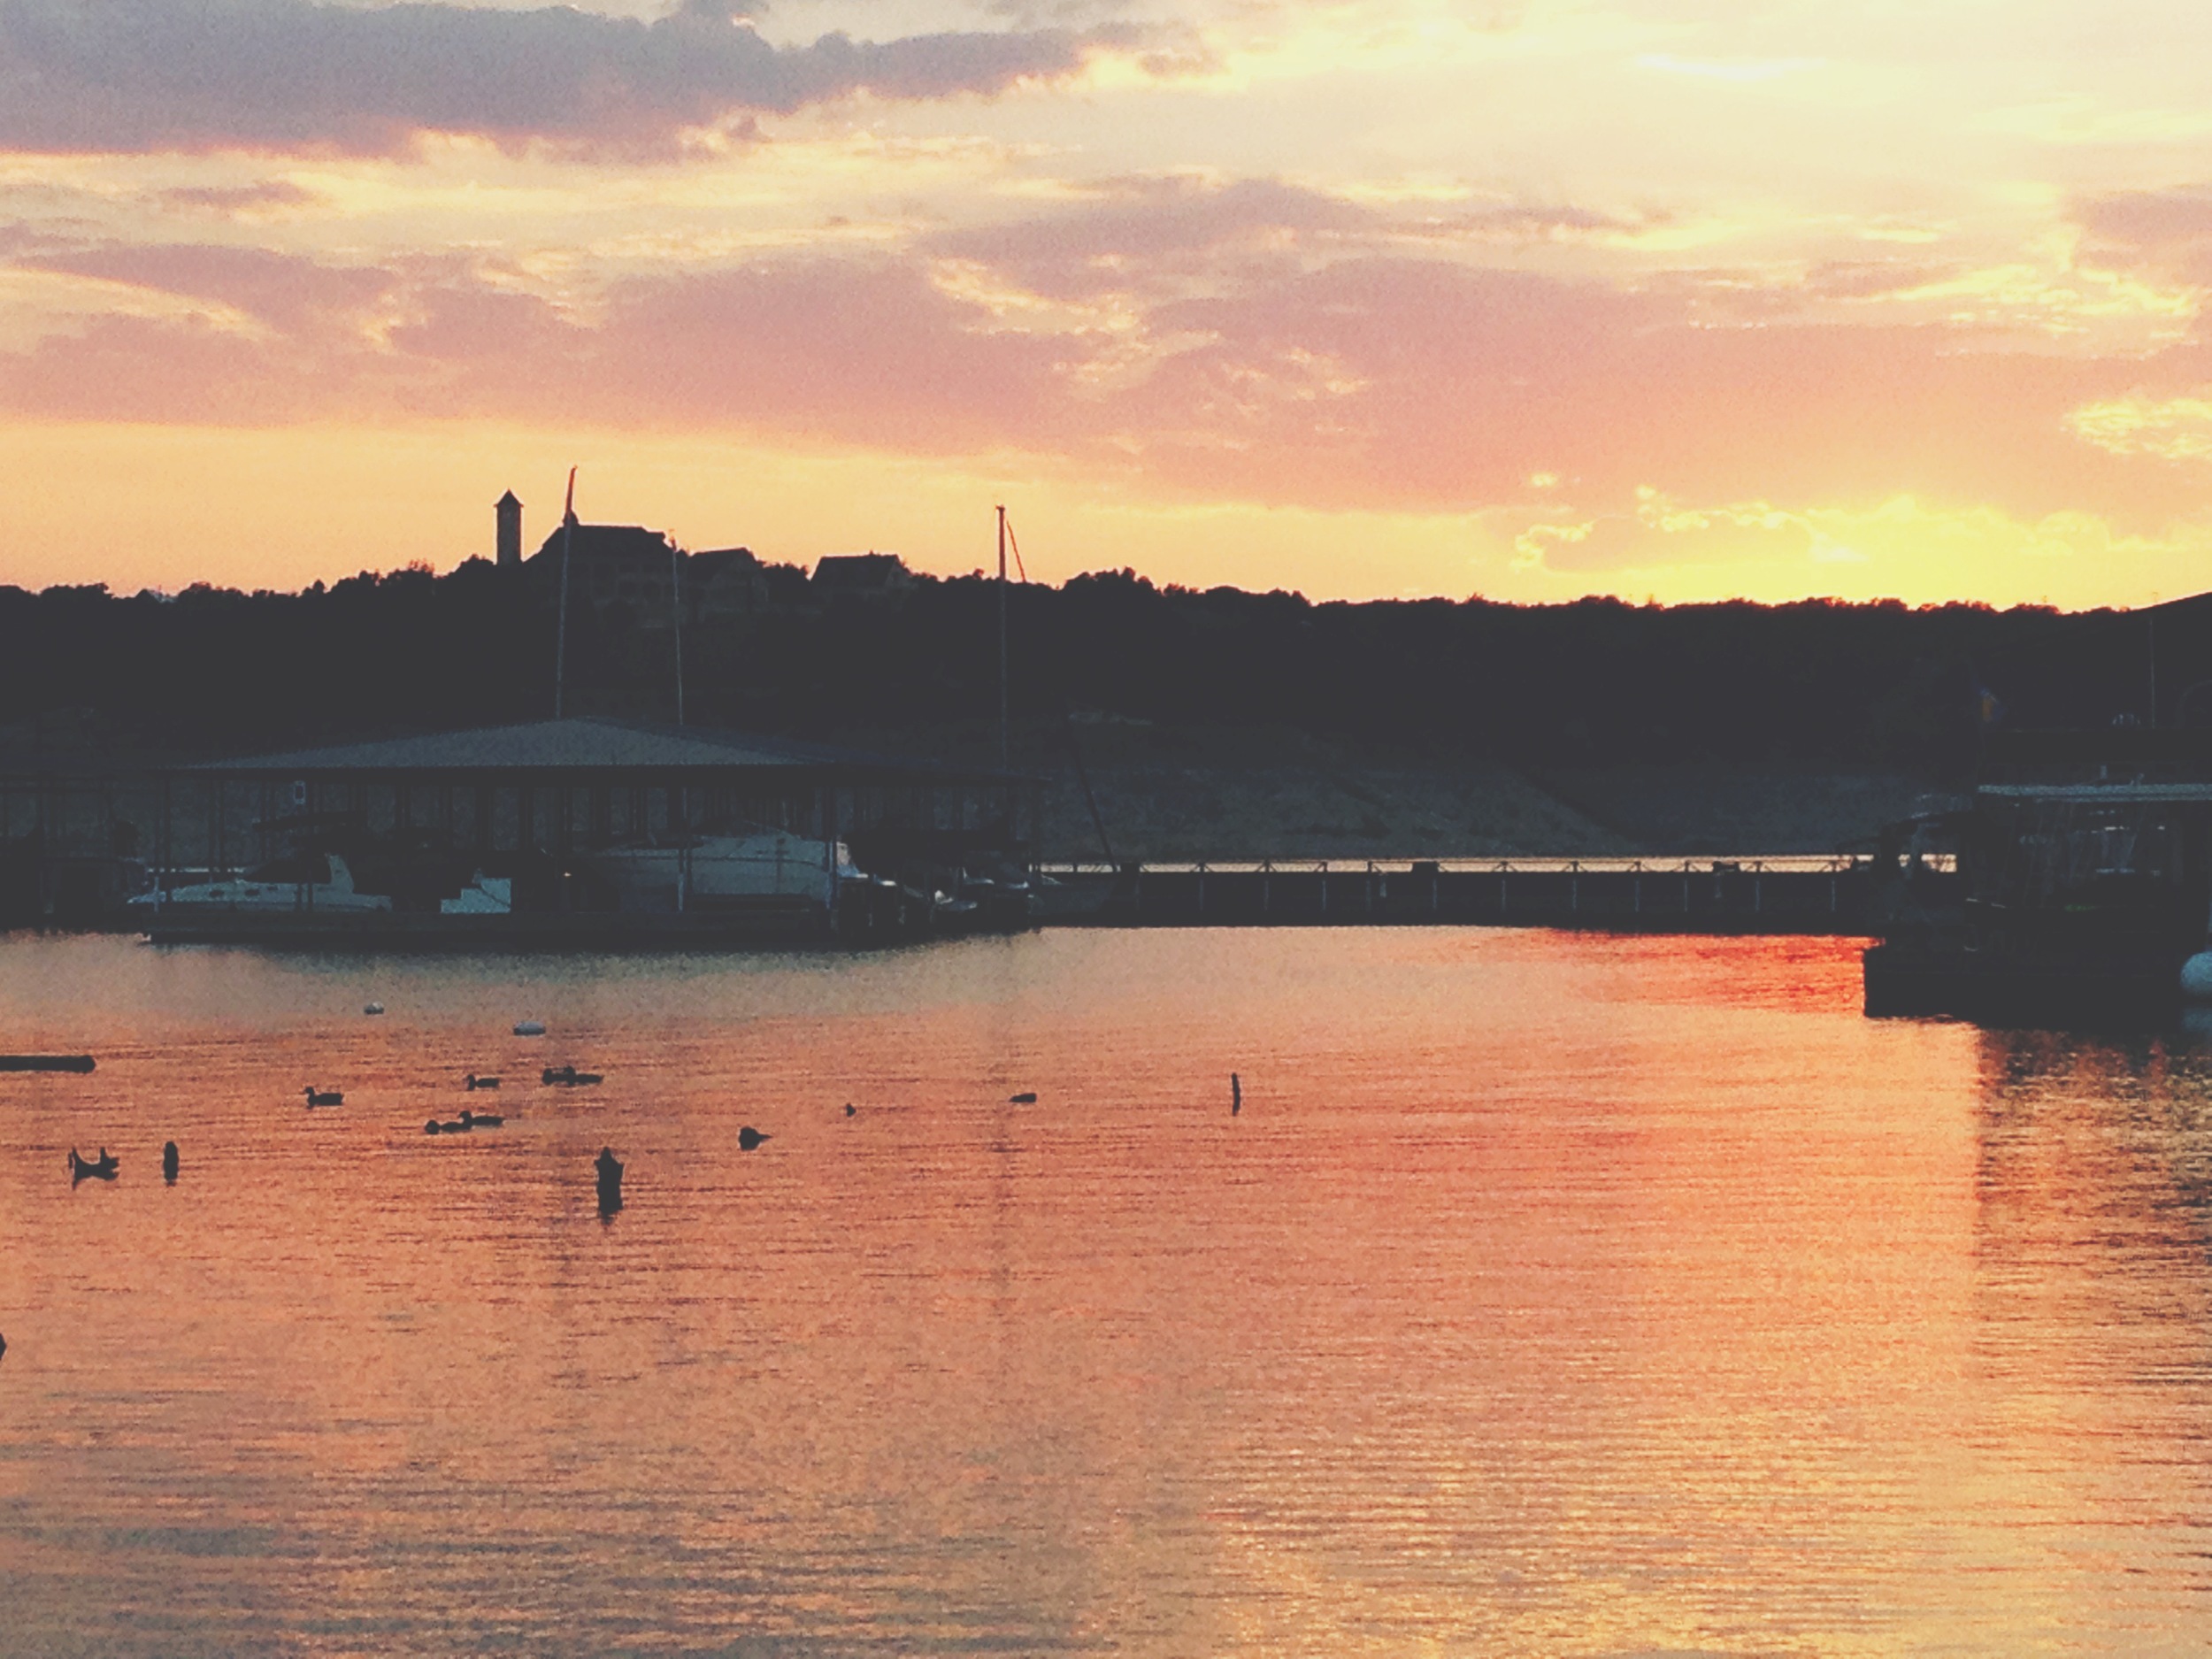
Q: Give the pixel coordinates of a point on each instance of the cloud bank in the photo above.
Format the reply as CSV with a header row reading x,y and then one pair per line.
x,y
1376,378
172,75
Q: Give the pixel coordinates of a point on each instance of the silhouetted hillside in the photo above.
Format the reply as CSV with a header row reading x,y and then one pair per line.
x,y
1596,683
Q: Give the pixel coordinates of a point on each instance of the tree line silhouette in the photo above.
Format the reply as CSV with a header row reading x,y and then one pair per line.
x,y
210,670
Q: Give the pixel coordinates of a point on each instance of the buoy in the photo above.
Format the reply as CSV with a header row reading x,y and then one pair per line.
x,y
749,1137
374,1008
530,1028
2196,977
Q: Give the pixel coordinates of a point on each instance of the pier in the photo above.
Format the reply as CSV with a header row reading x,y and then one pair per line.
x,y
1787,895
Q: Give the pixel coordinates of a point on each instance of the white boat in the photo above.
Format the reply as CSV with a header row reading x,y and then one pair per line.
x,y
317,882
717,872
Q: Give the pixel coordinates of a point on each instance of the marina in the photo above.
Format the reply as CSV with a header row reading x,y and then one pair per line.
x,y
589,834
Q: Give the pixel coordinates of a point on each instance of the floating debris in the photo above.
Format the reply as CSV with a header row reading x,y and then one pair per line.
x,y
45,1062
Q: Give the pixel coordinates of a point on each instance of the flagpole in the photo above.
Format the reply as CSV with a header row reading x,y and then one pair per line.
x,y
560,641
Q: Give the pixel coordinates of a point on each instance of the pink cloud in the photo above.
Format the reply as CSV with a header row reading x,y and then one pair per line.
x,y
233,200
282,289
1370,380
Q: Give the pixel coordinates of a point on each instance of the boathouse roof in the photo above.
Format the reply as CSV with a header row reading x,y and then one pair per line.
x,y
596,745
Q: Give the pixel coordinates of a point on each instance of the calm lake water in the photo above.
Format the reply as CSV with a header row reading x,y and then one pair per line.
x,y
1551,1294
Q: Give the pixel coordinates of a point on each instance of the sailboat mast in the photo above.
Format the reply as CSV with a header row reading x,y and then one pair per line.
x,y
560,638
676,621
1003,746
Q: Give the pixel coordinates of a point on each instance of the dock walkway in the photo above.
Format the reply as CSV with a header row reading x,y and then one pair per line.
x,y
1784,894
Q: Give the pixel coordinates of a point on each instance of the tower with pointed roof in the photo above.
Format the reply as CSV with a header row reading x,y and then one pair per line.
x,y
510,511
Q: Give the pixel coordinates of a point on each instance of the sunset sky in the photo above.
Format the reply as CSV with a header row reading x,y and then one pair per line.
x,y
1663,298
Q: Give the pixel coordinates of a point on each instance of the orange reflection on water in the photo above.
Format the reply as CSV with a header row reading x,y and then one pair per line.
x,y
1549,1294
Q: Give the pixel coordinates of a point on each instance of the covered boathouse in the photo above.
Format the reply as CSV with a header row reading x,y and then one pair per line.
x,y
591,832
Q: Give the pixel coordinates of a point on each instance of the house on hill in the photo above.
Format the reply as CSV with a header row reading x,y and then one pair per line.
x,y
627,564
863,578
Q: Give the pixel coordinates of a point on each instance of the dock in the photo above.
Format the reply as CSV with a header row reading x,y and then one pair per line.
x,y
1783,895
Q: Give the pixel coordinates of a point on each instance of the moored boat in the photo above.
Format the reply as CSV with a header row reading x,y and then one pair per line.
x,y
307,881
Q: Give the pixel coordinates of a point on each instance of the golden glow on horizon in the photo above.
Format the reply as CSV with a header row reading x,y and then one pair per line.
x,y
385,497
1283,295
